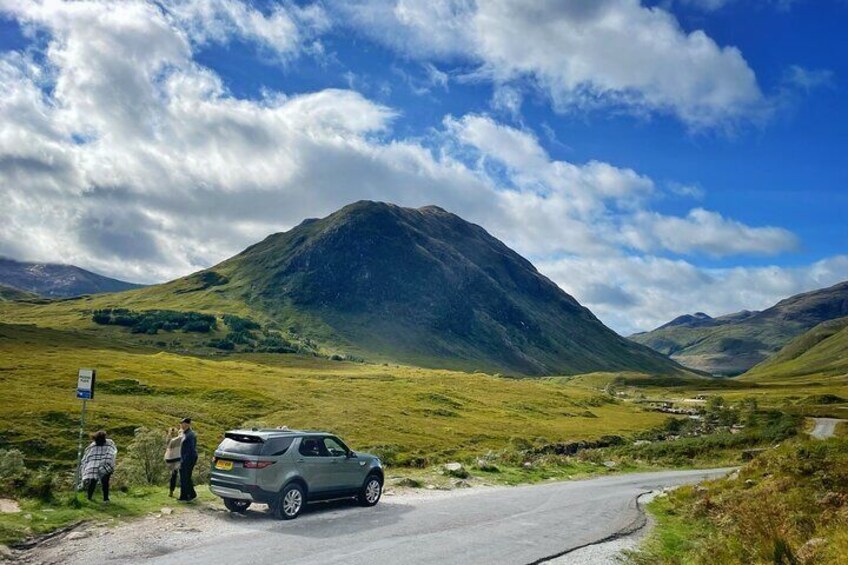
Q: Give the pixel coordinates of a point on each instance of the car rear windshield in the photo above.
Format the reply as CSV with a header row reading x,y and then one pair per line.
x,y
241,444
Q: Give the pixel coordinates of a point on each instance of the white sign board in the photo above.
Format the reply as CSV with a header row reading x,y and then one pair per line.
x,y
85,384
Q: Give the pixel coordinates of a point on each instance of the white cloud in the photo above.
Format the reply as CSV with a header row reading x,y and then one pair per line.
x,y
705,231
808,79
282,30
649,291
582,54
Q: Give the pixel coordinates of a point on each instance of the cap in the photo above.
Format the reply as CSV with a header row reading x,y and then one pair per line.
x,y
185,421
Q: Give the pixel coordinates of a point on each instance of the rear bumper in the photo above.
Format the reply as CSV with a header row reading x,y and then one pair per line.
x,y
253,493
226,492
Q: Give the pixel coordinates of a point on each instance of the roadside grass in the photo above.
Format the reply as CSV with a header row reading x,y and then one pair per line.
x,y
789,505
37,518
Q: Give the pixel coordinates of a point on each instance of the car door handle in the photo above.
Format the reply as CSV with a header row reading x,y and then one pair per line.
x,y
301,460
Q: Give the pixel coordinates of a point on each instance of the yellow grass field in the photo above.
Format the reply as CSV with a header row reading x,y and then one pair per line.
x,y
415,414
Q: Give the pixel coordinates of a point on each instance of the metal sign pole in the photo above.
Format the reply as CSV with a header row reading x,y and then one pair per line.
x,y
79,451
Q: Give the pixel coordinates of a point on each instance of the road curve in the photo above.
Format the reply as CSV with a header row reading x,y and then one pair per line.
x,y
518,525
825,427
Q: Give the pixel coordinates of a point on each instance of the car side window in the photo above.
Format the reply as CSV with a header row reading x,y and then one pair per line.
x,y
277,446
311,447
334,448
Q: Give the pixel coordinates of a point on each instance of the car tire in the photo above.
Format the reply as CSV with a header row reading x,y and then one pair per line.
x,y
235,505
371,491
290,503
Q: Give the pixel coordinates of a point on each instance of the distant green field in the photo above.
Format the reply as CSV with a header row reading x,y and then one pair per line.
x,y
413,415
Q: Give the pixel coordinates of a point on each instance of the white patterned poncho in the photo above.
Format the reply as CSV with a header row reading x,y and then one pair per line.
x,y
96,456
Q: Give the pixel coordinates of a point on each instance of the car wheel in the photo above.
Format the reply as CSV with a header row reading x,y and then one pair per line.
x,y
234,505
371,491
290,503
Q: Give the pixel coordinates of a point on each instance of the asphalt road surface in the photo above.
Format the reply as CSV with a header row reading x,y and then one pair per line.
x,y
825,427
520,525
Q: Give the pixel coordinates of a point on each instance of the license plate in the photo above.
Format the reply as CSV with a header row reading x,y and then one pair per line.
x,y
224,465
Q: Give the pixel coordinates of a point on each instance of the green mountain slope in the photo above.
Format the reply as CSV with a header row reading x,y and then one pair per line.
x,y
9,293
420,287
821,351
732,344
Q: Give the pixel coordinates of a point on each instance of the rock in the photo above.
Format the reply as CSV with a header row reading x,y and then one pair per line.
x,y
639,442
734,475
9,506
810,551
749,482
166,511
487,466
430,487
610,464
455,470
461,484
77,535
6,553
527,465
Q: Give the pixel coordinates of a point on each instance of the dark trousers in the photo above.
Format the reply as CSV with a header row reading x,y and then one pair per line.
x,y
91,483
186,484
174,475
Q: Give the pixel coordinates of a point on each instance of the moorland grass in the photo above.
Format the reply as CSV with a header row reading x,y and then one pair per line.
x,y
789,505
418,416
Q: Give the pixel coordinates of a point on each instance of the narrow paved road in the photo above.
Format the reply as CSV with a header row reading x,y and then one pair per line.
x,y
518,525
825,427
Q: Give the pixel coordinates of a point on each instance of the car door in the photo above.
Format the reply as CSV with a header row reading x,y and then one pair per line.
x,y
315,464
348,472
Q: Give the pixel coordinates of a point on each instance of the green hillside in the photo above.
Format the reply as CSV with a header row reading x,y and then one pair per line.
x,y
822,351
8,293
732,344
377,282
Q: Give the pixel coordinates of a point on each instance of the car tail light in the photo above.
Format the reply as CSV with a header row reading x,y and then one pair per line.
x,y
257,464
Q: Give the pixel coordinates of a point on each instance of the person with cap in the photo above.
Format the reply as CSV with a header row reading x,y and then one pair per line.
x,y
188,458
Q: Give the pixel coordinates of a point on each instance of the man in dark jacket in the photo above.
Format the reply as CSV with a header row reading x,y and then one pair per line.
x,y
188,458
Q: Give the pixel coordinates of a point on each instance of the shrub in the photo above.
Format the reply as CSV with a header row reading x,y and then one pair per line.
x,y
41,484
12,470
143,463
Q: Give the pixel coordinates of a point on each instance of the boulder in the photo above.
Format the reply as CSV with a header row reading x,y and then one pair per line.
x,y
455,470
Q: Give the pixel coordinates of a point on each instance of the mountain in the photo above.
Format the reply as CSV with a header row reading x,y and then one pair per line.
x,y
821,351
56,281
732,344
389,284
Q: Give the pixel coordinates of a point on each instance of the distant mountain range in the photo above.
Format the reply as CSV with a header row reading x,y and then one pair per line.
x,y
56,281
732,344
415,286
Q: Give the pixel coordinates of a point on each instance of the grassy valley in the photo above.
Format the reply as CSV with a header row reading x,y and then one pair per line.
x,y
414,416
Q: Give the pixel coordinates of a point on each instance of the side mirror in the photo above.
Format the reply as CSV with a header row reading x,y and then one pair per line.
x,y
351,454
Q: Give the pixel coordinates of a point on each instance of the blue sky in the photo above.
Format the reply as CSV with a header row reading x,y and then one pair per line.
x,y
652,159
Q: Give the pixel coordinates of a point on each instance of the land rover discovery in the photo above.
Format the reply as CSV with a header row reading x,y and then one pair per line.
x,y
288,468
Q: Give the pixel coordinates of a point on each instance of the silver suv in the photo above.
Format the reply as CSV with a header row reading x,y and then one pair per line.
x,y
287,468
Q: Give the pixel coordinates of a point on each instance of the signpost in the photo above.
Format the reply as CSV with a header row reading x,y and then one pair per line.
x,y
85,392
